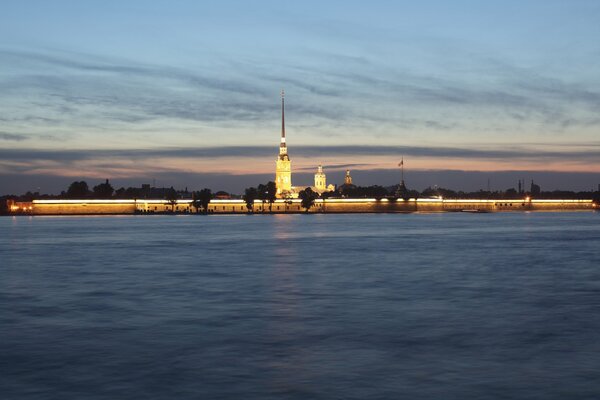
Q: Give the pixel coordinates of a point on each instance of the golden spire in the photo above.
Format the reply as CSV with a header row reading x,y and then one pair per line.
x,y
282,145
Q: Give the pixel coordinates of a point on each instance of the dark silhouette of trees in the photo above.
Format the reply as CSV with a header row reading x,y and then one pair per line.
x,y
271,194
196,203
330,194
4,205
171,196
78,190
250,194
439,191
308,197
413,194
352,191
130,193
267,193
262,194
205,195
103,190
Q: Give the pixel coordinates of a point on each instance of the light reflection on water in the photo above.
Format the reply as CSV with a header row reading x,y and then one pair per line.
x,y
300,306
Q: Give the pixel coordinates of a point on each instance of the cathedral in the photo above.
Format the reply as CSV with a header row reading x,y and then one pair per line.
x,y
283,169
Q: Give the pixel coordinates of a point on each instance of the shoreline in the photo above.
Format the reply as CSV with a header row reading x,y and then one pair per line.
x,y
321,206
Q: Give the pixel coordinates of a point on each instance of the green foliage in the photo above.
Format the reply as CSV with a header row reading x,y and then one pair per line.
x,y
205,195
271,194
250,194
267,193
196,203
327,195
103,190
308,197
171,197
78,190
4,205
262,194
352,191
438,191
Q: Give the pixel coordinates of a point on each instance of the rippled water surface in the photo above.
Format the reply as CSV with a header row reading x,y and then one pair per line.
x,y
421,306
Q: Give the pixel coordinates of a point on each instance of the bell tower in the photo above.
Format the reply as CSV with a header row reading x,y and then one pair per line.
x,y
283,170
320,180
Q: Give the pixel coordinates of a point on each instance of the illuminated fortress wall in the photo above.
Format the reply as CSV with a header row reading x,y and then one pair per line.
x,y
98,207
81,208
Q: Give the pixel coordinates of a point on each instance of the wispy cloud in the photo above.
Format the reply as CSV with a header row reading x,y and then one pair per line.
x,y
131,92
11,137
258,152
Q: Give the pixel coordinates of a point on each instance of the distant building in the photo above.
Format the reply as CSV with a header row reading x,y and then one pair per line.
x,y
347,178
348,185
222,195
321,185
320,179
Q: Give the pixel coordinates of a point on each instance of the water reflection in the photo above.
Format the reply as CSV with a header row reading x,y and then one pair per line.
x,y
296,307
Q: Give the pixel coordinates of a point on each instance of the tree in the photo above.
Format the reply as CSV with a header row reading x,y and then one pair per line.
x,y
511,194
171,197
271,194
78,190
205,195
330,194
250,194
4,205
262,194
196,203
120,193
308,197
103,190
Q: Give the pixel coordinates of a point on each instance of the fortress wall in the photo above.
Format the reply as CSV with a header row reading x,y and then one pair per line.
x,y
159,206
365,206
561,205
90,207
82,209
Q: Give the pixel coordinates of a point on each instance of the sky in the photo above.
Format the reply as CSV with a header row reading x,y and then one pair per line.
x,y
187,93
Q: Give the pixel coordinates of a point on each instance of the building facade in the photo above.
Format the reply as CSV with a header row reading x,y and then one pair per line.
x,y
320,180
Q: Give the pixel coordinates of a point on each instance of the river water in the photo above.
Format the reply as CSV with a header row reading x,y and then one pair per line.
x,y
378,306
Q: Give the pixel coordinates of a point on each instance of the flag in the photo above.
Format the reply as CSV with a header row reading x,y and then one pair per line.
x,y
401,163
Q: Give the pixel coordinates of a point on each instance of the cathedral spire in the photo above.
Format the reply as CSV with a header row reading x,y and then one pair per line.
x,y
282,146
282,116
283,170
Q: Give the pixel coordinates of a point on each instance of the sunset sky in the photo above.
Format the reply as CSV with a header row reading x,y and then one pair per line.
x,y
187,92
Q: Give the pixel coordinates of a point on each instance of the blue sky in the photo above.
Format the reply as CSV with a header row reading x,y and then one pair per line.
x,y
484,86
